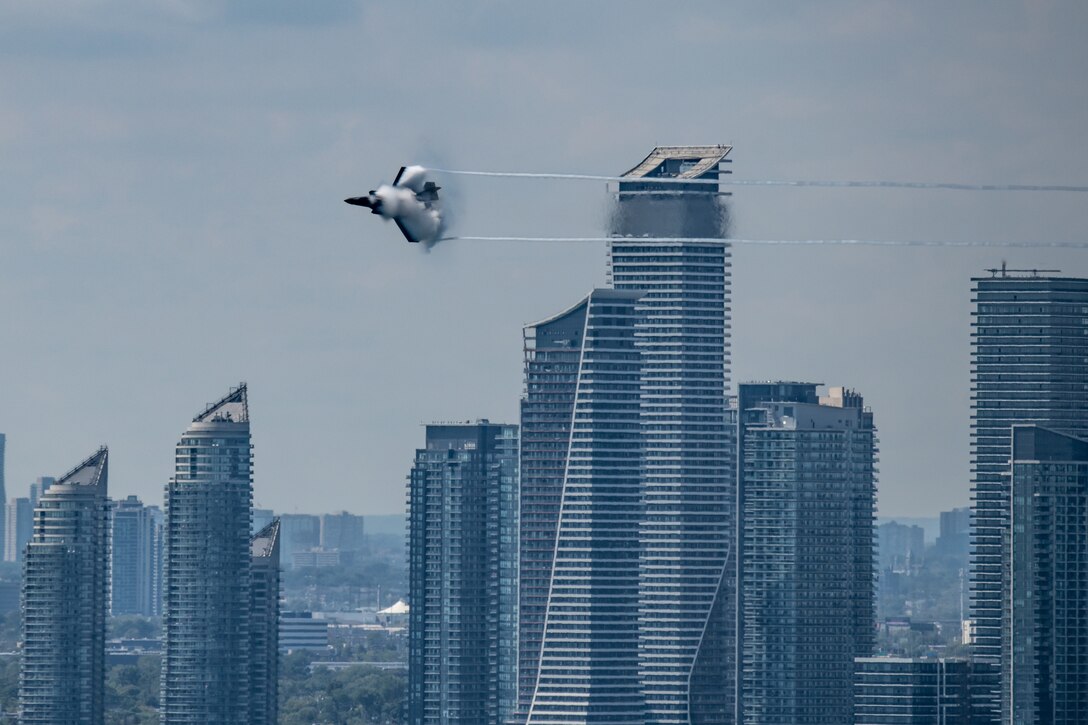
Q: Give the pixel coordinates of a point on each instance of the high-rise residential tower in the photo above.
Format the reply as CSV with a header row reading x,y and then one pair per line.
x,y
581,510
1029,363
809,495
264,625
65,584
134,558
1045,644
462,542
688,566
206,621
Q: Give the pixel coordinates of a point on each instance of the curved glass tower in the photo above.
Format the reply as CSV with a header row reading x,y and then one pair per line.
x,y
581,454
205,670
64,600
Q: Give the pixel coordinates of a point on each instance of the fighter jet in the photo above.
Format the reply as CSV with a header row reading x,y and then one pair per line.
x,y
410,201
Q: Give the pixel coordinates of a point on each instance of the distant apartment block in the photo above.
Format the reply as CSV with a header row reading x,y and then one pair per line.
x,y
135,558
300,532
65,585
955,532
807,479
1045,642
462,512
900,546
342,532
40,486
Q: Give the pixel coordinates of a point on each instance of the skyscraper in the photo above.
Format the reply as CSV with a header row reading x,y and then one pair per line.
x,y
688,574
1029,362
18,519
581,511
462,540
1045,643
809,496
65,586
205,670
264,625
136,534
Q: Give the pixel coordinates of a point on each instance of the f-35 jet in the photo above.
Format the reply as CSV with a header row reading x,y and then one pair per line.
x,y
410,201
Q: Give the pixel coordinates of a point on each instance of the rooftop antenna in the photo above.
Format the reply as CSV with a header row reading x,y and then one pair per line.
x,y
1004,271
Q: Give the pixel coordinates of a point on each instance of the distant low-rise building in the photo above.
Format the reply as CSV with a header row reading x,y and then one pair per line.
x,y
316,557
302,631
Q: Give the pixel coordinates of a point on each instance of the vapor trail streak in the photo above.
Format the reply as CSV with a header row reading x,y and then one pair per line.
x,y
729,181
787,242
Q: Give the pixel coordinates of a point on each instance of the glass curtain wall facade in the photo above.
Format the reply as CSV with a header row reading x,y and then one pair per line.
x,y
688,568
462,548
809,493
1029,365
1045,644
65,585
581,454
206,665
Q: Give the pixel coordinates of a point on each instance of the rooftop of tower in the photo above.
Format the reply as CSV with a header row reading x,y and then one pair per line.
x,y
265,542
232,407
681,162
87,473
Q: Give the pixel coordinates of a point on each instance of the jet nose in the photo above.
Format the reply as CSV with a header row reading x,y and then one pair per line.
x,y
358,200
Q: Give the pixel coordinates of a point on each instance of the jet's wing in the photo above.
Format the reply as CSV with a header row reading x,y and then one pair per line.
x,y
399,174
403,229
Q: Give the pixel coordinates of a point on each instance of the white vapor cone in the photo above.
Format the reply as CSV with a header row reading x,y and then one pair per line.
x,y
410,201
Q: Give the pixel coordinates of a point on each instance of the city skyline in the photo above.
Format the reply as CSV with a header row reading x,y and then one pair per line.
x,y
868,105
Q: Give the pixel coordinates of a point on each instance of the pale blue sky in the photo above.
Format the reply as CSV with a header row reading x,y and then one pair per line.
x,y
171,218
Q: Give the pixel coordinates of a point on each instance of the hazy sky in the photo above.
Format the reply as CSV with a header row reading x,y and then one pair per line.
x,y
171,223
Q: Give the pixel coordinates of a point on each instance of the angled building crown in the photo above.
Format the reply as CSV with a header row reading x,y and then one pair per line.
x,y
233,407
88,473
266,542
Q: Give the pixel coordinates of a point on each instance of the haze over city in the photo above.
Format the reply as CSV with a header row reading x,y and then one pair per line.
x,y
172,224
